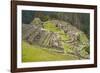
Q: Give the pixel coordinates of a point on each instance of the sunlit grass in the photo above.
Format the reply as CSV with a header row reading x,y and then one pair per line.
x,y
34,53
50,26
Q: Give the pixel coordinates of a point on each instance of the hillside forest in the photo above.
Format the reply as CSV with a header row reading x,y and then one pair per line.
x,y
55,36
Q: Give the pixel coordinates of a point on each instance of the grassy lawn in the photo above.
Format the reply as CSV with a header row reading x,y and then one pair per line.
x,y
35,53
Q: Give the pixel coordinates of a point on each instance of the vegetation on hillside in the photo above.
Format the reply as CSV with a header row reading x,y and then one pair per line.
x,y
51,36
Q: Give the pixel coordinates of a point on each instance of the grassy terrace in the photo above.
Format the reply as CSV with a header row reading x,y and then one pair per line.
x,y
34,53
50,26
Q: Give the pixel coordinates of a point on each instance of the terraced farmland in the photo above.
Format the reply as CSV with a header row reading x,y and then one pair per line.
x,y
51,41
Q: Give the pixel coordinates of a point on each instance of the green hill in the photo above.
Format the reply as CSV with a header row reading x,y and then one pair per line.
x,y
53,40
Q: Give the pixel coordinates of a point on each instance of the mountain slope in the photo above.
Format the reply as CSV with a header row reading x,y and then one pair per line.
x,y
58,36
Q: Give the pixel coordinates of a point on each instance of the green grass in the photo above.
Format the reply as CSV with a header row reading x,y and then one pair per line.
x,y
63,36
50,26
83,38
35,53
